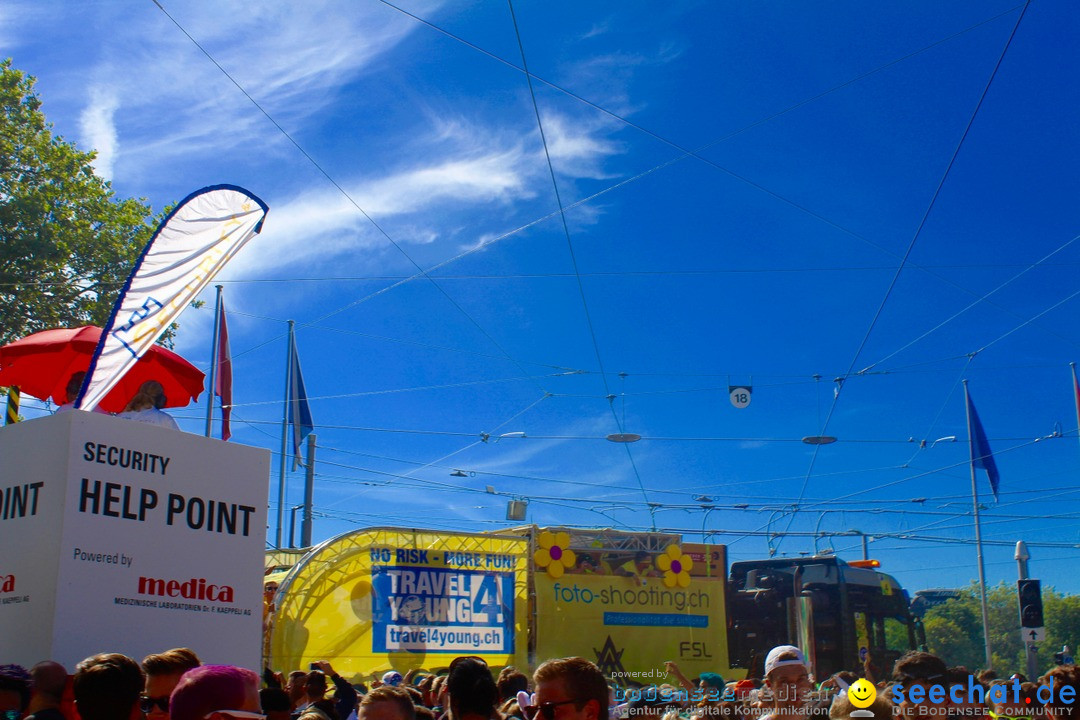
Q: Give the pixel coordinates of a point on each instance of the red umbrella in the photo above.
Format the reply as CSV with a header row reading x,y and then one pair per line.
x,y
41,365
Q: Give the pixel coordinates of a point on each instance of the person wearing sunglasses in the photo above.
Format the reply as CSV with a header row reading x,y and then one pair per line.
x,y
216,692
163,671
569,689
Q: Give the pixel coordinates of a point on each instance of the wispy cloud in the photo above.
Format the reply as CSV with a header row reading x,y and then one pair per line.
x,y
606,78
323,224
602,27
291,58
577,148
99,131
14,15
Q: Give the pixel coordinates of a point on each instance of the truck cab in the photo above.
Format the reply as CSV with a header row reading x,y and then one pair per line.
x,y
835,611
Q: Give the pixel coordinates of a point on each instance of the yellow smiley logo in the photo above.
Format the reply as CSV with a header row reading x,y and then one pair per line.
x,y
861,693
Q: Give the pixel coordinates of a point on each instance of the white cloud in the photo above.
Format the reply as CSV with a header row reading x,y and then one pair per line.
x,y
320,225
324,224
14,16
292,58
577,148
600,28
99,131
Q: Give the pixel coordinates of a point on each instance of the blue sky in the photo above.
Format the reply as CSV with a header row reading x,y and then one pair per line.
x,y
776,194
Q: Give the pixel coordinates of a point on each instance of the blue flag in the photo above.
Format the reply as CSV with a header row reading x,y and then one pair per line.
x,y
981,457
299,409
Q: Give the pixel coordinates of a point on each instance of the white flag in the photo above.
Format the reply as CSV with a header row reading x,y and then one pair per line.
x,y
190,246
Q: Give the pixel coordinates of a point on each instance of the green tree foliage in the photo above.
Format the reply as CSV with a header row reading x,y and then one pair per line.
x,y
954,629
66,242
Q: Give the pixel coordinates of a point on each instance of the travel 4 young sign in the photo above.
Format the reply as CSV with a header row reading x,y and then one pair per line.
x,y
452,603
383,598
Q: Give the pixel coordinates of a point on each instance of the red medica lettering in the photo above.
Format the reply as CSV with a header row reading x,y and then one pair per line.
x,y
193,589
7,583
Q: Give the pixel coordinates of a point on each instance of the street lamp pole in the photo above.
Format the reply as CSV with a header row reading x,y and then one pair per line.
x,y
1022,556
292,524
865,542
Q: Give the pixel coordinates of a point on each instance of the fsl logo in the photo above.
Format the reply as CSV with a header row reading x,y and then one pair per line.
x,y
7,583
609,659
193,589
694,649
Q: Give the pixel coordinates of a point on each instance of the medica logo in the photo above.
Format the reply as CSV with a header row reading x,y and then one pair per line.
x,y
194,589
975,694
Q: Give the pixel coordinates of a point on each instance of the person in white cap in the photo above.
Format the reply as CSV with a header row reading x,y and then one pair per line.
x,y
391,678
787,678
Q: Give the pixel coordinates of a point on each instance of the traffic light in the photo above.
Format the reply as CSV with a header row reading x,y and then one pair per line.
x,y
1031,611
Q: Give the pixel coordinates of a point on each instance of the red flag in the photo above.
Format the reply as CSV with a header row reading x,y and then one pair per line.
x,y
223,375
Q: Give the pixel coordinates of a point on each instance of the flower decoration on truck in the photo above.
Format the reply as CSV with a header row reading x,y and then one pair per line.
x,y
554,553
675,566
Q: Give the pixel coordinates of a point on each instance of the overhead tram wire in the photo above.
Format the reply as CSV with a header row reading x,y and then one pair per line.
x,y
444,386
400,341
973,354
811,507
483,246
570,246
767,502
687,153
986,296
665,438
774,505
447,487
669,491
695,153
937,523
1028,322
481,440
554,275
348,197
671,143
944,404
911,245
796,379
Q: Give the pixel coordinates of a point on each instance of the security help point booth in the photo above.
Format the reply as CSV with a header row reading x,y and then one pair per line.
x,y
117,536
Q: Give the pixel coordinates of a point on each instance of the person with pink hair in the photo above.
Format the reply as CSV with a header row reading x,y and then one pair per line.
x,y
216,692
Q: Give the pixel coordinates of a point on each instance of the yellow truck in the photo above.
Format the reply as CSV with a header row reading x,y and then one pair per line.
x,y
382,598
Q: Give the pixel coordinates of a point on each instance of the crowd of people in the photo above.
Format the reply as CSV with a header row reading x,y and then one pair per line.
x,y
175,685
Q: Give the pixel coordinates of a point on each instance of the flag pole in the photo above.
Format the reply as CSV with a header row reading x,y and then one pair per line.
x,y
978,535
1076,393
284,436
214,360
